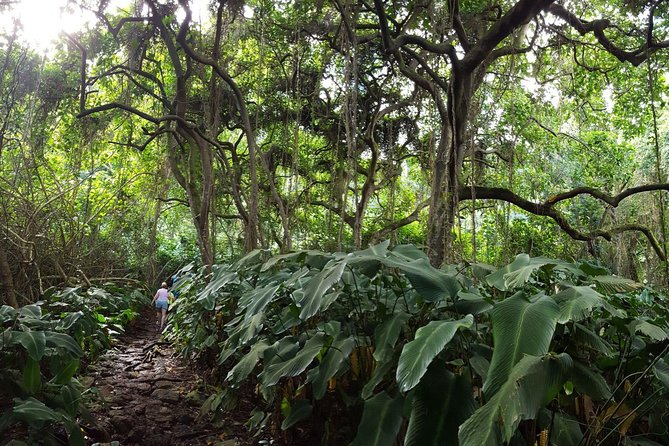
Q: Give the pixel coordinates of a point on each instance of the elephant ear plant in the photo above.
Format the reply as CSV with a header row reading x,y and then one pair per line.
x,y
41,353
377,346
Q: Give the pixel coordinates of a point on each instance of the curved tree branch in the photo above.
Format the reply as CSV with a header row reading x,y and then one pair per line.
x,y
597,28
547,209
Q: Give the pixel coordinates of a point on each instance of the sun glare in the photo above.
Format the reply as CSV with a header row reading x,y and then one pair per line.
x,y
40,22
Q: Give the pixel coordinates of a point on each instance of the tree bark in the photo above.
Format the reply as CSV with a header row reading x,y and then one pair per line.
x,y
6,280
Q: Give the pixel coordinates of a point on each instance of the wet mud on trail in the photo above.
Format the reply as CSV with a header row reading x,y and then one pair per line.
x,y
143,395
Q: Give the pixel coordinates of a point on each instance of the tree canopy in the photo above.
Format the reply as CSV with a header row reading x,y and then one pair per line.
x,y
477,129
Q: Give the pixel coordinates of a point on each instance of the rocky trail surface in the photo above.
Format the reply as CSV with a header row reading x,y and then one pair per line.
x,y
143,395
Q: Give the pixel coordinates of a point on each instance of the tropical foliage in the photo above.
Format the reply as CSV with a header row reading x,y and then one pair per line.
x,y
44,346
462,132
377,344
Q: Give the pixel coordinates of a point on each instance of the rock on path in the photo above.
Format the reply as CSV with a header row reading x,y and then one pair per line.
x,y
143,395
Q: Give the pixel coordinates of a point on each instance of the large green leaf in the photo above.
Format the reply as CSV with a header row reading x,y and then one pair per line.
x,y
381,420
66,372
207,297
615,284
378,250
34,412
76,434
252,258
32,379
588,381
33,341
517,273
71,397
651,330
661,371
296,365
245,330
432,284
417,355
276,259
64,341
532,383
246,365
583,335
319,284
7,313
256,300
380,372
563,429
386,334
520,326
299,410
332,362
577,302
470,303
441,403
408,252
30,312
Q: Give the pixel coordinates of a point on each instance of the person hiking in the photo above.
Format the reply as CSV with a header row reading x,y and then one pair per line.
x,y
161,300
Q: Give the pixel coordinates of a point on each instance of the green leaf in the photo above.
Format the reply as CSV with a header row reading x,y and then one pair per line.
x,y
651,330
378,374
256,300
381,420
66,373
470,303
299,410
589,338
207,297
30,312
520,326
661,371
408,252
252,258
33,341
7,313
532,383
32,379
317,286
296,365
442,402
577,302
378,250
336,357
589,382
34,412
517,273
432,284
64,341
480,365
566,431
417,355
614,284
276,259
246,365
386,334
76,435
71,398
250,328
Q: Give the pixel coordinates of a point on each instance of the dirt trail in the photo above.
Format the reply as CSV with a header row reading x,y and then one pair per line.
x,y
145,396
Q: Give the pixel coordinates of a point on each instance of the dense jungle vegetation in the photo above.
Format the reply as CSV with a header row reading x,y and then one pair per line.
x,y
411,222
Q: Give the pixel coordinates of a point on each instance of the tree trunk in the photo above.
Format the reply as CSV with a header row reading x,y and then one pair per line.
x,y
6,280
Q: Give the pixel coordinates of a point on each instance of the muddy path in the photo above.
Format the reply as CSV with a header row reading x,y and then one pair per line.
x,y
141,394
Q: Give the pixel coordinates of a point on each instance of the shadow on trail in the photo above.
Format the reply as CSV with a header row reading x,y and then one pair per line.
x,y
143,395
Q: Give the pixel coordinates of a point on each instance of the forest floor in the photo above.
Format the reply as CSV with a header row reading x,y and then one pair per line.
x,y
143,395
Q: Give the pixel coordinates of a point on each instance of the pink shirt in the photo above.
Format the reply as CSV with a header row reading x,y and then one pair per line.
x,y
162,295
